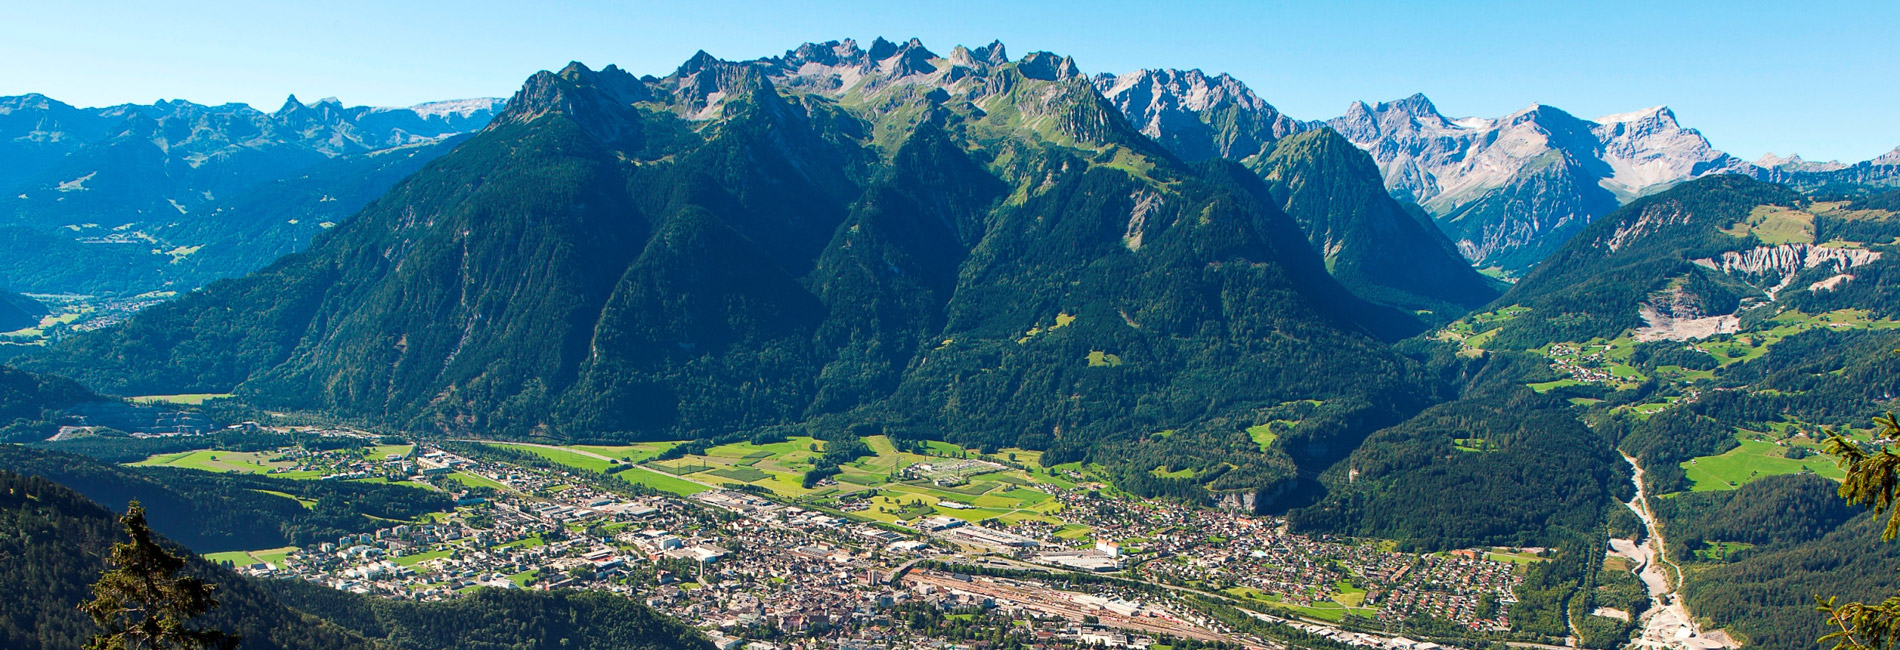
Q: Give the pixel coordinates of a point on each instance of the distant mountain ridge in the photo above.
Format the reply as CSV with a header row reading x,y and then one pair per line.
x,y
1507,191
122,188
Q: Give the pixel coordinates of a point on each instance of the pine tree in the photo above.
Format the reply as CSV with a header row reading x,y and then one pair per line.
x,y
1873,479
141,601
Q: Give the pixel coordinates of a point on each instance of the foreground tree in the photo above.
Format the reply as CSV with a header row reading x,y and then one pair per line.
x,y
1873,479
143,604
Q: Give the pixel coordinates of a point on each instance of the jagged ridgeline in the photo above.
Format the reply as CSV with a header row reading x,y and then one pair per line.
x,y
1382,250
962,246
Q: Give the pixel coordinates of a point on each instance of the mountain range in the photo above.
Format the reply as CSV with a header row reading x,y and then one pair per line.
x,y
965,246
1506,191
167,196
1155,274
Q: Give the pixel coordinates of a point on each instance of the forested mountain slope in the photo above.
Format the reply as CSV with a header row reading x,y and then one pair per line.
x,y
18,312
965,247
210,512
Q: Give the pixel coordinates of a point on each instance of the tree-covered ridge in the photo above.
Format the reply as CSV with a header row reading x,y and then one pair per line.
x,y
221,512
18,312
1376,247
30,404
1509,468
983,252
1595,284
53,543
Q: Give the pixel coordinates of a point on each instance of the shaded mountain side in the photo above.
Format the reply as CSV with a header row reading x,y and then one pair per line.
x,y
53,545
1377,248
1520,223
19,312
979,251
1595,283
30,404
1331,188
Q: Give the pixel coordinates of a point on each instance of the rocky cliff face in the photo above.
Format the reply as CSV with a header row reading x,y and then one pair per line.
x,y
1476,174
1773,268
1197,116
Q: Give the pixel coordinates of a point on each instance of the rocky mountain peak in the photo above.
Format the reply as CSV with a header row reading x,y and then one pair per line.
x,y
1047,66
828,53
993,54
1889,158
1795,163
1179,108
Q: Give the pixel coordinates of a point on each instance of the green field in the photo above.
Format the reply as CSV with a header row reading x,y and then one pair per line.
x,y
741,474
1336,609
189,398
661,482
1752,460
634,453
1748,346
418,558
381,452
1263,435
562,457
306,503
472,480
271,555
222,461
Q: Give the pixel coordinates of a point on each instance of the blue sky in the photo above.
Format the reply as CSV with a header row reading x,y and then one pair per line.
x,y
1817,78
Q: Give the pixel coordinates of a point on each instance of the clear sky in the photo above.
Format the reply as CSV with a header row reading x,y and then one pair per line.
x,y
1813,77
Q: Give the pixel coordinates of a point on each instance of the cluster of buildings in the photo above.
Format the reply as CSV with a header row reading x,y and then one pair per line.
x,y
1588,368
1258,555
753,571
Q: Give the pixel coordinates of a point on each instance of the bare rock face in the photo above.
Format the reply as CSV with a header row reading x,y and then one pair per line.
x,y
1475,174
1197,116
1675,314
1773,268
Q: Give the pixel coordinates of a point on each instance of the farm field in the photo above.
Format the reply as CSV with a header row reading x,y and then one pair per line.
x,y
634,453
212,460
241,558
1751,345
1335,609
560,456
1752,460
472,480
661,482
891,486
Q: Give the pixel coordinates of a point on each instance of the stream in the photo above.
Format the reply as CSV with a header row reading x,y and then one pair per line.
x,y
1667,624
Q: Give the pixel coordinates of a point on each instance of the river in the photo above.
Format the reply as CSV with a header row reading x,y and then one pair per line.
x,y
1667,624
